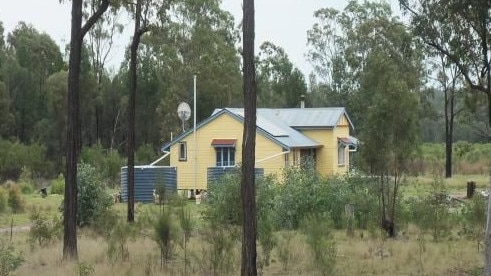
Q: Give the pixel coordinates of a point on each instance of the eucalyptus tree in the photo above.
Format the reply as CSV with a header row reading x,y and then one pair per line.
x,y
450,81
78,32
374,64
280,84
200,40
100,43
144,11
6,116
36,57
459,30
248,186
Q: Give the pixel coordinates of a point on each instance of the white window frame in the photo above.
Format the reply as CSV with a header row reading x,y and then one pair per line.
x,y
183,151
226,154
341,154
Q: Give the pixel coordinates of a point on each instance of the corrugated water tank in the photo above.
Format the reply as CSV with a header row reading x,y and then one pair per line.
x,y
215,173
146,179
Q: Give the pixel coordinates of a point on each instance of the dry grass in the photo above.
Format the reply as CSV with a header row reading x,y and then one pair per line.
x,y
370,255
367,255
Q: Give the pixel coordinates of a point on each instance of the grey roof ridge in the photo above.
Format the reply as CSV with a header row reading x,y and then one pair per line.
x,y
215,114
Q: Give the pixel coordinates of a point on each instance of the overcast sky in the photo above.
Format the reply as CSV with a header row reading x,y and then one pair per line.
x,y
283,22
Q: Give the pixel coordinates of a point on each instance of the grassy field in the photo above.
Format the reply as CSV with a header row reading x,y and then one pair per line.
x,y
409,254
364,253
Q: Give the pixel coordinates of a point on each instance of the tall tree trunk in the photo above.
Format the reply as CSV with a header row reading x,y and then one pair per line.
x,y
73,125
248,189
73,121
449,120
139,31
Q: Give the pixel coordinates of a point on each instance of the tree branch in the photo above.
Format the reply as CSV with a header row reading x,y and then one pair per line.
x,y
457,62
93,19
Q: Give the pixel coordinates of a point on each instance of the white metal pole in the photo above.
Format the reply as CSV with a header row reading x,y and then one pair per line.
x,y
195,143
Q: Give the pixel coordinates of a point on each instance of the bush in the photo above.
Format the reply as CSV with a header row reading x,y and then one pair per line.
x,y
319,240
15,156
58,185
15,201
3,200
26,183
93,199
431,213
9,260
43,229
108,162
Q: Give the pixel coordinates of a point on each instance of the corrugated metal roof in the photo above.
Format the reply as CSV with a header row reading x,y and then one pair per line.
x,y
282,124
278,129
309,117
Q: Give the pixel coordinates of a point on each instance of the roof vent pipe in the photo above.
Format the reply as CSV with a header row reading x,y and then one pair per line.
x,y
302,101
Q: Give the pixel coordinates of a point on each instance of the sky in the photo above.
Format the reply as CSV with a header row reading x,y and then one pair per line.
x,y
282,22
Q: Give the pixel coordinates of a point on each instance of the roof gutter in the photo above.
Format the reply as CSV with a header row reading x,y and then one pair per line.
x,y
161,158
273,156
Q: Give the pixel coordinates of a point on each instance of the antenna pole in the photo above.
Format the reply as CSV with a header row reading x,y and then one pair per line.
x,y
194,132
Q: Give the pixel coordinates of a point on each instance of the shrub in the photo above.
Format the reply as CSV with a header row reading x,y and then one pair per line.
x,y
3,199
108,162
93,200
43,229
25,180
431,213
117,241
14,156
165,236
145,154
9,260
319,240
15,201
58,185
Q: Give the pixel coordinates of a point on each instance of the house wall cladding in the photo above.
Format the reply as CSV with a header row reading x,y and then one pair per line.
x,y
146,178
214,173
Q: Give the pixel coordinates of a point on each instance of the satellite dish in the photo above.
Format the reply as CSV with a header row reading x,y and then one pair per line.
x,y
184,113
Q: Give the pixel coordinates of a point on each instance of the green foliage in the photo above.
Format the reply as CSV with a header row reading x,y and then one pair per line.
x,y
187,224
26,182
223,200
473,217
14,157
93,200
15,201
85,269
44,230
9,259
104,223
267,240
302,191
58,185
217,256
121,232
316,229
108,162
145,154
3,200
165,236
431,212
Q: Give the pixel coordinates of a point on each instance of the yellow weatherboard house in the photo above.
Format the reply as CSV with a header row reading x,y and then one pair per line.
x,y
284,137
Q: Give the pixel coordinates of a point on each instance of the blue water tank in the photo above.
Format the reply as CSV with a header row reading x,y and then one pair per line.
x,y
146,179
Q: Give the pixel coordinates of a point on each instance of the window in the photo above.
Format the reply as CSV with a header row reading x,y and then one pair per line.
x,y
307,157
341,154
225,156
287,161
183,151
